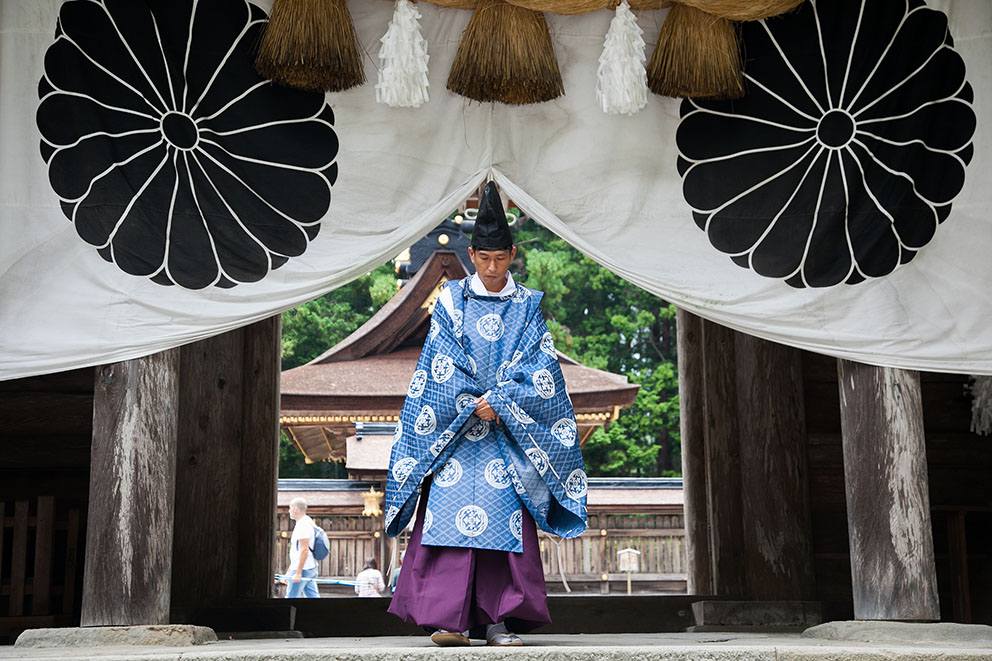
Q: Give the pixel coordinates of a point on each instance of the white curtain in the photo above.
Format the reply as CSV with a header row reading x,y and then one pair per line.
x,y
609,185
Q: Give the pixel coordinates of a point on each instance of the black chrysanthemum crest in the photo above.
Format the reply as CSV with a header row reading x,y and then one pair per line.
x,y
169,153
847,151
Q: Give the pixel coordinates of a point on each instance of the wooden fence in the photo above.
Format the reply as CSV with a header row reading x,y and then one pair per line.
x,y
590,562
40,569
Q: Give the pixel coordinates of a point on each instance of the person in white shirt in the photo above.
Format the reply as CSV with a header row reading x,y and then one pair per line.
x,y
301,561
369,581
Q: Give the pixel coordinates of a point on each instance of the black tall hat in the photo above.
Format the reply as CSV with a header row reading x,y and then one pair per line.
x,y
491,229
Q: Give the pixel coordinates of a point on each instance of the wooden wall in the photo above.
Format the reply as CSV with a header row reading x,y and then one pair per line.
x,y
659,537
959,467
45,428
227,453
226,467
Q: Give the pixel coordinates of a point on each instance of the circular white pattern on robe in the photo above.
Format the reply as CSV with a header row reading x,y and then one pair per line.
x,y
464,400
539,458
426,422
398,432
435,328
576,484
544,384
517,355
548,345
521,295
490,327
428,520
456,322
478,431
417,384
471,521
449,474
517,524
496,474
442,367
471,362
438,445
391,514
403,468
520,414
564,430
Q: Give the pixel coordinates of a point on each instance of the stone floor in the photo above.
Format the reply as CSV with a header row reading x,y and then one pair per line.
x,y
599,647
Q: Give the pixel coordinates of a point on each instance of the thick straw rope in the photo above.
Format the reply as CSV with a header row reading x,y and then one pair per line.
x,y
734,10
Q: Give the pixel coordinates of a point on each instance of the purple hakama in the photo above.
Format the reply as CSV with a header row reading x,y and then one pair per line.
x,y
458,589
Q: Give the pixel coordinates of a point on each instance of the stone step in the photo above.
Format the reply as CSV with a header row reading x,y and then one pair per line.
x,y
602,647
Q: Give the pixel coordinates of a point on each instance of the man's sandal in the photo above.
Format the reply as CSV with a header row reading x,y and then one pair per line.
x,y
498,636
443,638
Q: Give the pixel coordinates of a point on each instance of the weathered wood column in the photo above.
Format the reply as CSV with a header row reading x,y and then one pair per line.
x,y
775,495
888,503
128,571
723,461
259,458
226,469
691,428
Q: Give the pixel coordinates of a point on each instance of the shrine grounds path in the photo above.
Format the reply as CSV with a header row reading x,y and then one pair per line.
x,y
550,647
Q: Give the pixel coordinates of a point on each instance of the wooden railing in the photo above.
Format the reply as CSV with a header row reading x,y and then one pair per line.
x,y
585,560
39,564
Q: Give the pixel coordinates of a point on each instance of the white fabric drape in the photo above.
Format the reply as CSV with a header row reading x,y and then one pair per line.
x,y
606,184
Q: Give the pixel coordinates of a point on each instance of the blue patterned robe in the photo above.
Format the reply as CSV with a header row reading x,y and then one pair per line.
x,y
484,472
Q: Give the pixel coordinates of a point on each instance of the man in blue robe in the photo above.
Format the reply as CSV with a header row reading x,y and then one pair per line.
x,y
487,443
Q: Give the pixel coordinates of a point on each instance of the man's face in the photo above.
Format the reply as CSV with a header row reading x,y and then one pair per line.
x,y
492,265
294,513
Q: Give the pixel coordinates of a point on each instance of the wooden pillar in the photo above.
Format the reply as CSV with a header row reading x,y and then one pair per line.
x,y
722,451
259,458
691,427
888,503
127,575
208,481
957,551
775,494
227,467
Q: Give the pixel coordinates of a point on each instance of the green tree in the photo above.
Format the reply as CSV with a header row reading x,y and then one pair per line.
x,y
634,444
608,323
314,327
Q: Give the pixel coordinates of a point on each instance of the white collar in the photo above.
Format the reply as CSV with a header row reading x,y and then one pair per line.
x,y
479,289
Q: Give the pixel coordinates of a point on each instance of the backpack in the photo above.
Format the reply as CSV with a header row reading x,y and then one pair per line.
x,y
321,547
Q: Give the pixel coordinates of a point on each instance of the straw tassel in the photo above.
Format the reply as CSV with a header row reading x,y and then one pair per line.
x,y
506,55
697,57
311,45
621,81
403,56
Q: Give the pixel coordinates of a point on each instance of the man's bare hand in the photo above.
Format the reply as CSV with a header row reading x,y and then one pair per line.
x,y
485,412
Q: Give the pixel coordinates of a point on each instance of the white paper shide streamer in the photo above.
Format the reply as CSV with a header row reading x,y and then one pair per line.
x,y
403,58
981,404
622,81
